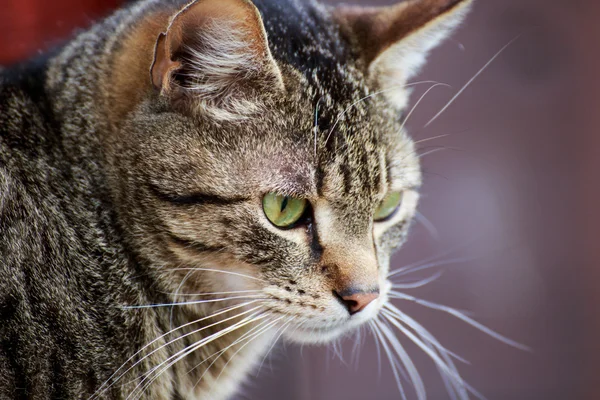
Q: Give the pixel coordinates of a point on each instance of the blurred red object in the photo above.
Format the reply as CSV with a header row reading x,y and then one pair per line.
x,y
30,26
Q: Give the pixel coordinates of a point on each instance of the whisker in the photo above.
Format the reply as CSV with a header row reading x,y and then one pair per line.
x,y
415,377
419,102
417,133
461,316
393,363
219,353
407,118
337,351
452,386
418,284
409,269
187,303
179,338
187,275
247,338
453,99
377,349
282,329
437,258
420,330
218,270
434,356
248,341
428,225
338,119
355,357
102,387
172,360
437,150
431,138
212,294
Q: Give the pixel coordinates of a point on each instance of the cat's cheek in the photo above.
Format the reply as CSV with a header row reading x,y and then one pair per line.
x,y
236,275
384,266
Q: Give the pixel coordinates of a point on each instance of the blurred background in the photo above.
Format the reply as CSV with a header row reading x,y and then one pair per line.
x,y
511,197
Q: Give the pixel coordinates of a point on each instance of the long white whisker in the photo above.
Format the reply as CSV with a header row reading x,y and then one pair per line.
x,y
434,356
220,271
437,150
416,267
282,329
377,349
186,351
428,351
431,138
415,377
436,258
337,351
338,119
391,359
148,373
248,341
451,386
187,303
185,278
418,284
419,102
420,330
355,357
247,338
219,353
214,293
453,99
101,388
428,225
461,316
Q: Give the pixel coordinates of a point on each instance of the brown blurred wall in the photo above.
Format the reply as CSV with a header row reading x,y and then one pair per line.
x,y
589,212
26,26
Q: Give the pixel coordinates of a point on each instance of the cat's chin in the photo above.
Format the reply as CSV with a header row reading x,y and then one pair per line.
x,y
325,334
318,336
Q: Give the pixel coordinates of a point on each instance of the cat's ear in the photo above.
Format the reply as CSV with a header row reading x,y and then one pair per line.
x,y
394,41
214,57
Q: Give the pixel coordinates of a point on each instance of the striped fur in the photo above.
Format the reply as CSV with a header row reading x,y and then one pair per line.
x,y
116,194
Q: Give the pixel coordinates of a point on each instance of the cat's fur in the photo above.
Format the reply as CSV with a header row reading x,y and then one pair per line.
x,y
126,163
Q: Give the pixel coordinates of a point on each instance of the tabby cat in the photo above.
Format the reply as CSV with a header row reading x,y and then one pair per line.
x,y
185,183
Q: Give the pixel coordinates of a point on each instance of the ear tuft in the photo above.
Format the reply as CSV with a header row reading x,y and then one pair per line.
x,y
393,42
214,58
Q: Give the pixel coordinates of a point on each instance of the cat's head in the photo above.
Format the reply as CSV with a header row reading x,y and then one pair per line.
x,y
272,148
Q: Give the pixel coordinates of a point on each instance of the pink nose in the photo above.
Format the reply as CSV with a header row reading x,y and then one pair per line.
x,y
357,301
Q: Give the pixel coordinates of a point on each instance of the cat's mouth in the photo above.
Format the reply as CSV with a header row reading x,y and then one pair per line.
x,y
324,333
327,329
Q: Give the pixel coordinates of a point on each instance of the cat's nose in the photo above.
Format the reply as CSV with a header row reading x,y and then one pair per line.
x,y
355,300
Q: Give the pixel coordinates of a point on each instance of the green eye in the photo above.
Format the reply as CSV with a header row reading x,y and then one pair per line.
x,y
388,206
283,211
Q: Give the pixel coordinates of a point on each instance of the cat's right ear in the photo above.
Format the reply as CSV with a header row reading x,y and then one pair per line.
x,y
392,42
214,57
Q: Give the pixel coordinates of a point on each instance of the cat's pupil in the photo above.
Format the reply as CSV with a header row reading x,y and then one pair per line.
x,y
284,203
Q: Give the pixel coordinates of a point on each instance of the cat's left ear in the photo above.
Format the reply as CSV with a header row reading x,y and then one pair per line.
x,y
393,42
214,56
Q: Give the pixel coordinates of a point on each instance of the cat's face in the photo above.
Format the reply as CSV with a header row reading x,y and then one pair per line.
x,y
296,182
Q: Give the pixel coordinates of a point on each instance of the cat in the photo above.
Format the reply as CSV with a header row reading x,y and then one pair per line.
x,y
185,183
